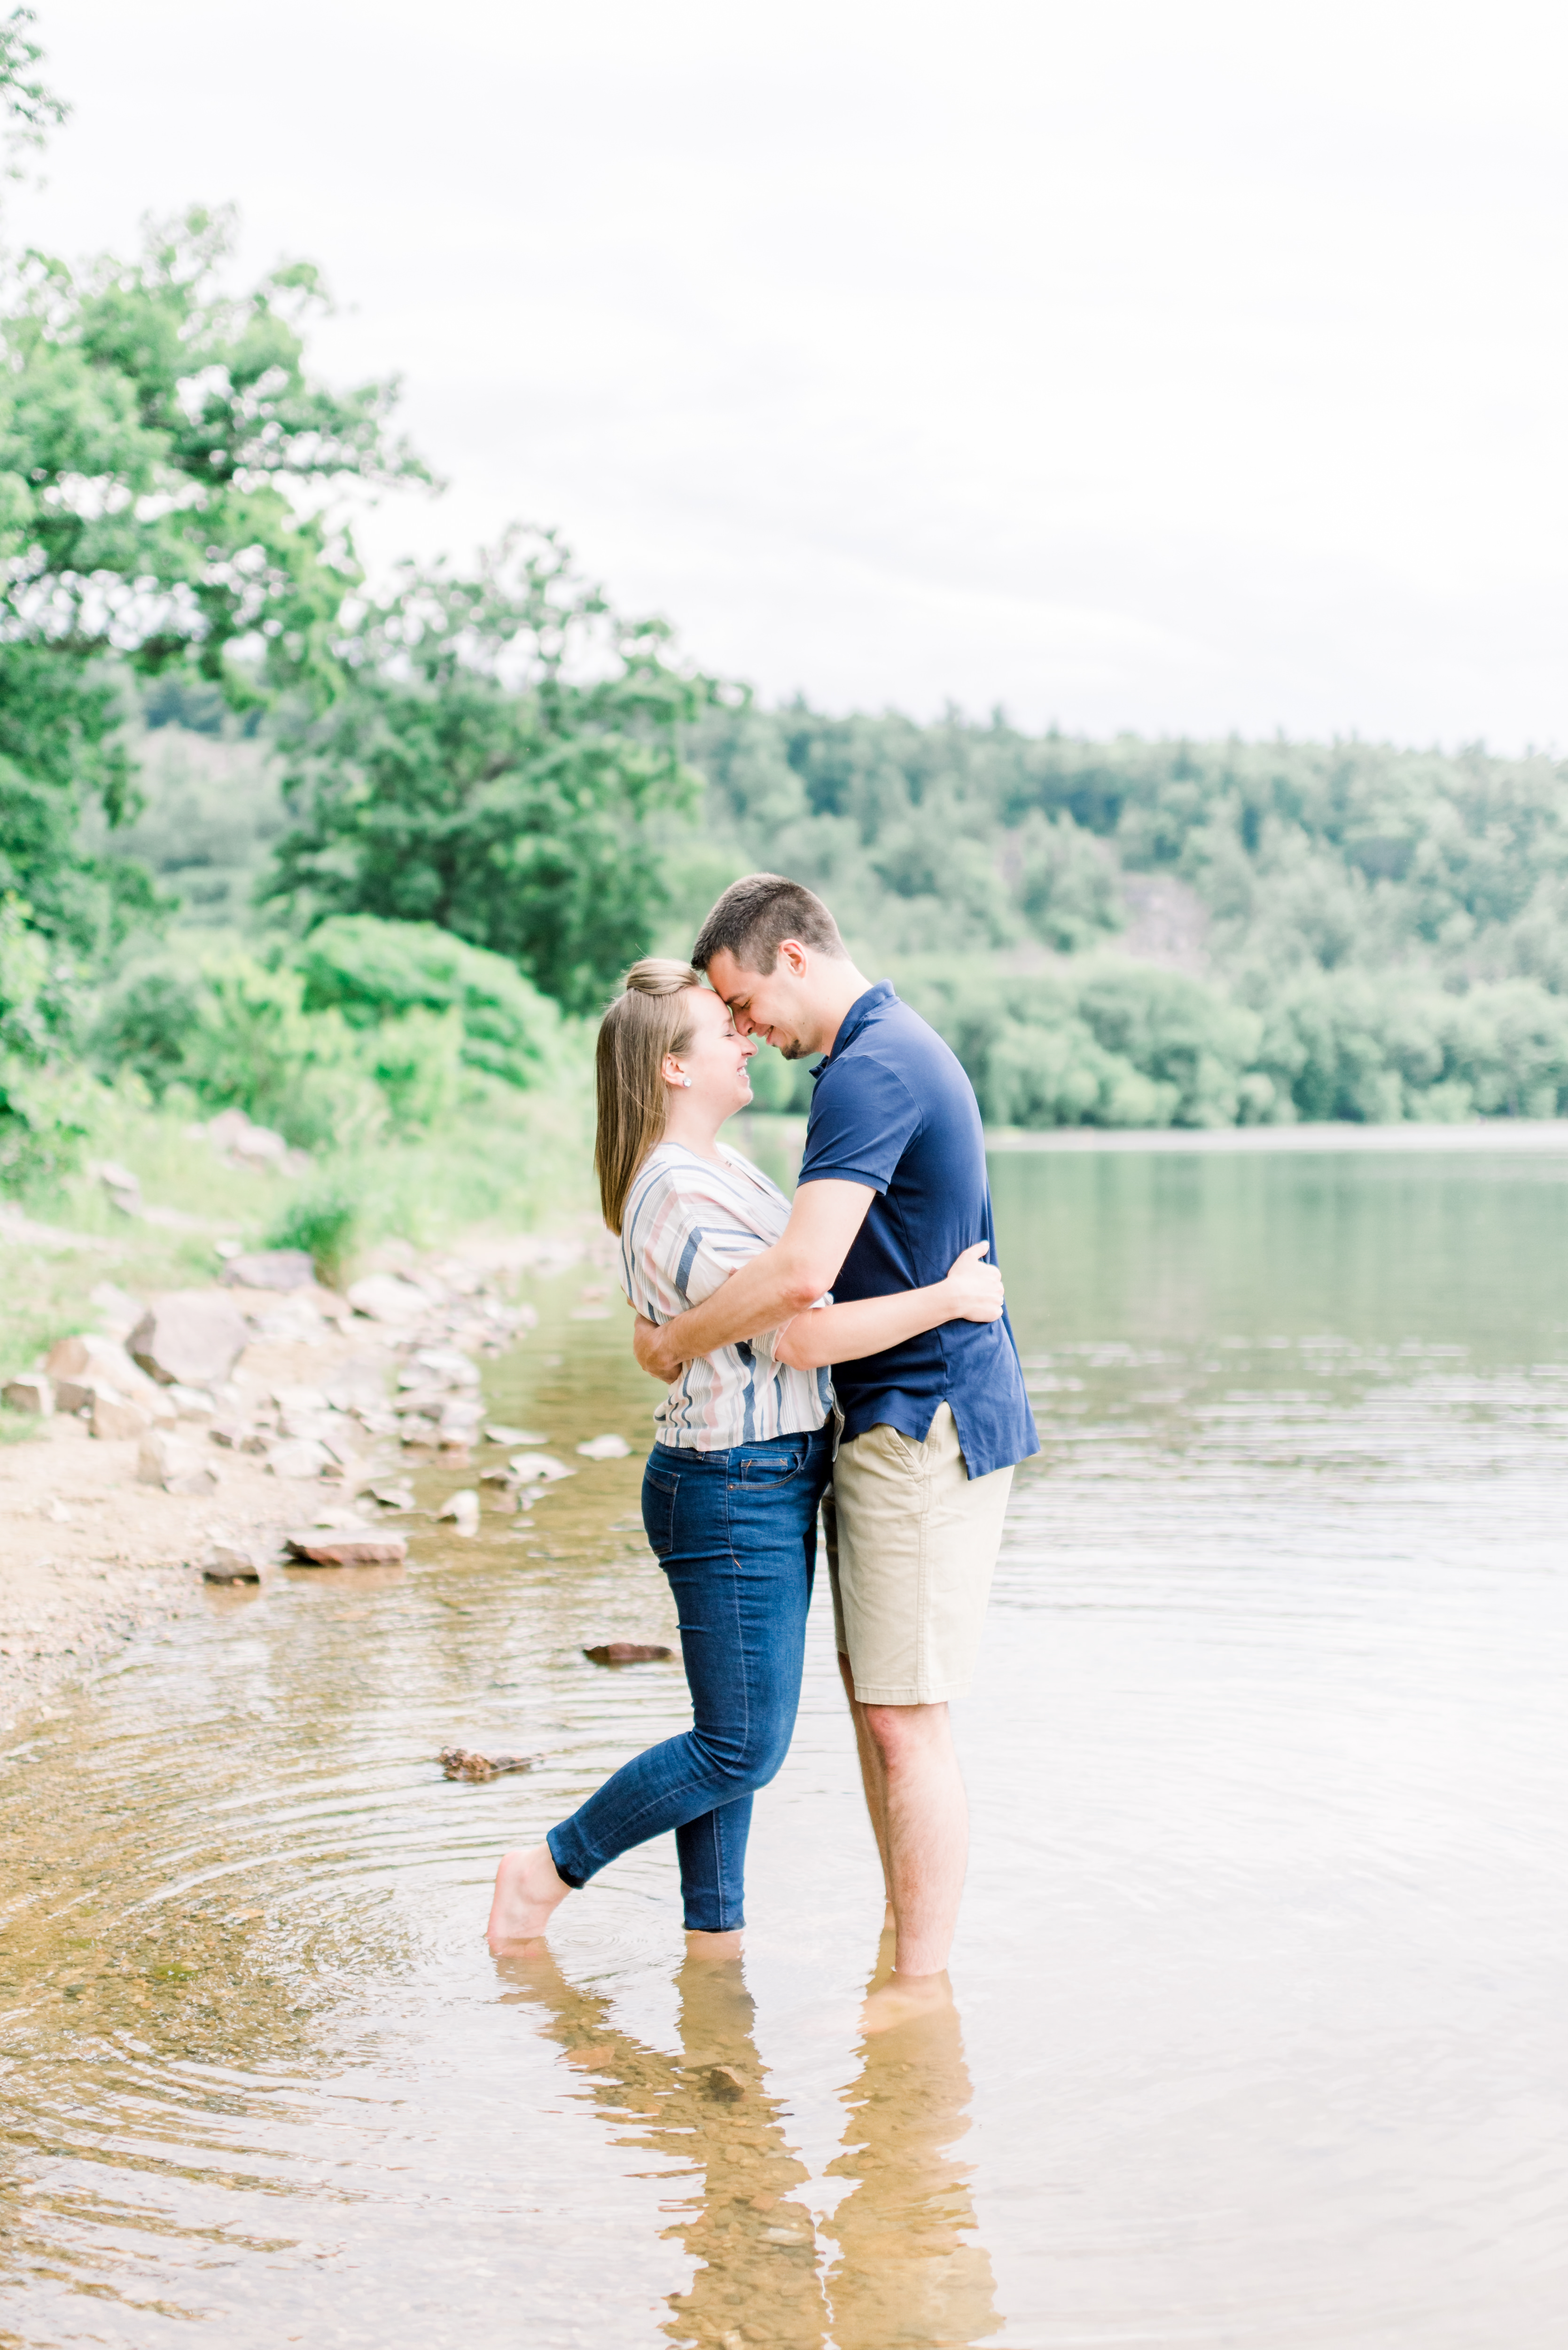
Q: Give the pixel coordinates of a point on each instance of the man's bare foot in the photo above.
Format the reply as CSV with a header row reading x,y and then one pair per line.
x,y
901,1998
528,1894
713,1946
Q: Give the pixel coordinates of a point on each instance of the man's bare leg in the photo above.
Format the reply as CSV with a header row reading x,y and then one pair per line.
x,y
874,1779
528,1894
928,1850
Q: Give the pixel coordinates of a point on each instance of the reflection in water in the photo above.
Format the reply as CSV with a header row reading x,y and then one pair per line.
x,y
907,2271
755,2251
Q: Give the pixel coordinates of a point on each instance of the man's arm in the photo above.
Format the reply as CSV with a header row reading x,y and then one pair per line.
x,y
769,1288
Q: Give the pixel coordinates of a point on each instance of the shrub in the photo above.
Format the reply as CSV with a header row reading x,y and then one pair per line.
x,y
324,1222
372,971
255,1047
146,1021
47,1105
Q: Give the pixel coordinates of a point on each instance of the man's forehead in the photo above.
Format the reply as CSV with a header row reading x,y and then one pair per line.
x,y
727,978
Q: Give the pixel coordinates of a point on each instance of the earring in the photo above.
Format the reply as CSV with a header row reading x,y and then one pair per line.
x,y
687,1083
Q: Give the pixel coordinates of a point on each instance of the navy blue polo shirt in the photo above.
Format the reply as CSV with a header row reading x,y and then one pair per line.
x,y
894,1109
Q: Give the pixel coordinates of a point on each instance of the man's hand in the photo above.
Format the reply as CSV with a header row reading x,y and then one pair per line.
x,y
650,1345
973,1287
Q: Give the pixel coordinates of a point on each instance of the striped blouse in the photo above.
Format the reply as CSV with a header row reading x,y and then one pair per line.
x,y
686,1225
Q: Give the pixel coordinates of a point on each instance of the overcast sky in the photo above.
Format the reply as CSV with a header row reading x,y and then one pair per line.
x,y
1131,366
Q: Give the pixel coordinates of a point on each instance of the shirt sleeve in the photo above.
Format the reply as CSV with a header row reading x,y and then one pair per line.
x,y
862,1121
686,1244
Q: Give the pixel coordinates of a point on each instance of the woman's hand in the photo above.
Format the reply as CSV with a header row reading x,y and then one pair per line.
x,y
653,1351
975,1288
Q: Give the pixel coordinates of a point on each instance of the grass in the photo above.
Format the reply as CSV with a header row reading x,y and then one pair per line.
x,y
510,1161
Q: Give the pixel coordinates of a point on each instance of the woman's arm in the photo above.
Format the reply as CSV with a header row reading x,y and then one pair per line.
x,y
842,1334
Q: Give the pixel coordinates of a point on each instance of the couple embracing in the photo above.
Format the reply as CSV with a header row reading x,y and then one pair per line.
x,y
847,1353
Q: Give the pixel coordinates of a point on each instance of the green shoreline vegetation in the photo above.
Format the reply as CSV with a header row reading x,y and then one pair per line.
x,y
364,865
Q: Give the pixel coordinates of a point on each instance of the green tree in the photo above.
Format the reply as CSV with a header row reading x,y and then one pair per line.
x,y
504,761
163,456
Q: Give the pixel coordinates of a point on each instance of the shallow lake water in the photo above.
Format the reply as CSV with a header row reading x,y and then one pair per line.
x,y
1259,2032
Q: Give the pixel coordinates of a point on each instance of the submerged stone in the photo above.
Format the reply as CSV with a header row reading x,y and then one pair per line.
x,y
461,1763
320,1546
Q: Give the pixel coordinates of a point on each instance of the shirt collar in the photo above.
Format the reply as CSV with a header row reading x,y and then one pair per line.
x,y
854,1019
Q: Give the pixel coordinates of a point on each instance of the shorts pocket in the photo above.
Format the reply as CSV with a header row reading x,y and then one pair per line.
x,y
658,1490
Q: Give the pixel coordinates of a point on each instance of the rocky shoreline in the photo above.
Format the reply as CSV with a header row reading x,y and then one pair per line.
x,y
184,1441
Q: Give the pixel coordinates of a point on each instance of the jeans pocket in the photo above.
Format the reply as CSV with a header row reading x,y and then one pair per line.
x,y
658,1487
776,1466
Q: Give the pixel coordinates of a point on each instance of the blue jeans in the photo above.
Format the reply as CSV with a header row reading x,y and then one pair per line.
x,y
735,1531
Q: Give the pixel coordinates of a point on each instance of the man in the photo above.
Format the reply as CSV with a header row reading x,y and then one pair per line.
x,y
892,1188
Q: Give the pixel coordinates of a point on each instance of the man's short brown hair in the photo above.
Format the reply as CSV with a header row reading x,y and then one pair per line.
x,y
755,917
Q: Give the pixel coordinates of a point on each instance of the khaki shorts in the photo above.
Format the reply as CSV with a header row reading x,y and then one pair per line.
x,y
912,1540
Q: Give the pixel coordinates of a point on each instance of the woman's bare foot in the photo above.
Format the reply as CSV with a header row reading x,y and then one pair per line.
x,y
903,1997
713,1946
528,1894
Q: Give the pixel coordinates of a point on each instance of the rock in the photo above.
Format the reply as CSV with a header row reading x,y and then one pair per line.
x,y
190,1337
415,1431
459,1762
376,1420
119,1311
628,1652
299,1398
386,1297
496,1434
298,1456
271,1269
238,1435
393,1497
324,1548
358,1385
192,1403
124,1189
231,1563
459,1421
34,1392
116,1417
431,1401
605,1448
88,1357
538,1469
440,1367
725,2083
178,1468
293,1321
233,1137
463,1509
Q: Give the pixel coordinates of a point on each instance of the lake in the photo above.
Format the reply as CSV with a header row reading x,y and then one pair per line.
x,y
1258,2038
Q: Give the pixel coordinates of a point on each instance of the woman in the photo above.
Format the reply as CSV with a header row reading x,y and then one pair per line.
x,y
730,1495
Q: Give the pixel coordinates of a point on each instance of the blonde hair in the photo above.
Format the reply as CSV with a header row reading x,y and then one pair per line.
x,y
645,1022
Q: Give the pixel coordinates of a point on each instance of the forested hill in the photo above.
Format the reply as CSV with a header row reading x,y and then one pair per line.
x,y
1119,933
1134,932
1300,857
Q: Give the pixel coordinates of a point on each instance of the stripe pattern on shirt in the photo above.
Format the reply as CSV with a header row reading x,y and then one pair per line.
x,y
687,1226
